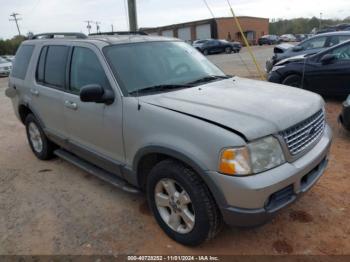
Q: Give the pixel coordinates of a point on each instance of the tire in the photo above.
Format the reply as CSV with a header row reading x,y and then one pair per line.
x,y
228,50
41,146
293,80
206,217
205,52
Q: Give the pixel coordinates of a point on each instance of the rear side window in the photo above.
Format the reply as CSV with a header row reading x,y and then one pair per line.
x,y
55,66
22,60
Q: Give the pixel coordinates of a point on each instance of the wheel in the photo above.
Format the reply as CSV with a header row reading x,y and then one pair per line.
x,y
41,146
182,203
228,50
292,80
205,52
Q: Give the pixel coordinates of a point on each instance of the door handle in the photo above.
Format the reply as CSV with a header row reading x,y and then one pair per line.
x,y
71,105
34,92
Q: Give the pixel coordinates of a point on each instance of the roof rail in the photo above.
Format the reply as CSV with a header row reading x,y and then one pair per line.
x,y
57,35
120,33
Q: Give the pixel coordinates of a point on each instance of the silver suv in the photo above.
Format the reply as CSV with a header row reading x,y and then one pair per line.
x,y
153,114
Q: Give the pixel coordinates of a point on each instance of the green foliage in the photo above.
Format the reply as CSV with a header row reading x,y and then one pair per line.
x,y
301,25
10,46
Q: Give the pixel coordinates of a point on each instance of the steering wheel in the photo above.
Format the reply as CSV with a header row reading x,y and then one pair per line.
x,y
180,67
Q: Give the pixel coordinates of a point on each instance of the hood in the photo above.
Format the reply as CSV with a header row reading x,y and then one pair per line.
x,y
297,58
252,108
279,49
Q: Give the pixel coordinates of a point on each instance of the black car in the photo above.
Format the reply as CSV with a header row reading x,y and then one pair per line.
x,y
269,40
213,46
344,118
309,46
327,72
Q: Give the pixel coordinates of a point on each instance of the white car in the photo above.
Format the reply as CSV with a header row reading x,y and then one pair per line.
x,y
5,67
288,38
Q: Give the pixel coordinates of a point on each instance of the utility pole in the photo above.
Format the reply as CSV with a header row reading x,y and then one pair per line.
x,y
16,19
132,15
112,28
321,20
89,25
97,27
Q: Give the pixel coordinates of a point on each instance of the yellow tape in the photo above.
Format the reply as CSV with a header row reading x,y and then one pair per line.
x,y
247,43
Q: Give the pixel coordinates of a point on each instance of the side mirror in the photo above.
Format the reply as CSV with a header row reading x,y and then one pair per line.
x,y
298,48
96,93
327,59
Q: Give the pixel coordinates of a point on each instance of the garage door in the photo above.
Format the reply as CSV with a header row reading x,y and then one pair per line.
x,y
168,33
185,34
203,32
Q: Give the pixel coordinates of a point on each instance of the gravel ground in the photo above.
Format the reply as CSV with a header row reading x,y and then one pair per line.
x,y
55,208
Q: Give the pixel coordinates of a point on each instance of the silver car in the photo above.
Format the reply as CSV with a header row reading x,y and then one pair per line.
x,y
5,67
153,114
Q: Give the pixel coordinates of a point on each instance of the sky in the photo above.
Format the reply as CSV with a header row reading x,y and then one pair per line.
x,y
69,15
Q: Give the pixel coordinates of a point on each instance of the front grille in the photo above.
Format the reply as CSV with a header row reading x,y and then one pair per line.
x,y
303,135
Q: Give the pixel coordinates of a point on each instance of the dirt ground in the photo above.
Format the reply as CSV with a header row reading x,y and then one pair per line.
x,y
55,208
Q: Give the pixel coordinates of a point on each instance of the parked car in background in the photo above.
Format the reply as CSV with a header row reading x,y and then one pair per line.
x,y
288,38
344,117
300,37
9,58
5,67
269,40
326,73
214,46
206,148
312,45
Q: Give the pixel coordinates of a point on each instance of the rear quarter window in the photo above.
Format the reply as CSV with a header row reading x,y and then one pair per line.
x,y
22,61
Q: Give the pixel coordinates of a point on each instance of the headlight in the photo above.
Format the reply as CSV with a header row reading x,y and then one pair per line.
x,y
275,68
256,157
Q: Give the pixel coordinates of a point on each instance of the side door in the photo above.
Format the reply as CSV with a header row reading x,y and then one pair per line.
x,y
95,129
332,77
48,89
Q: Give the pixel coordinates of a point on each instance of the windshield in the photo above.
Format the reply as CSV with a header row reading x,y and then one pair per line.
x,y
141,65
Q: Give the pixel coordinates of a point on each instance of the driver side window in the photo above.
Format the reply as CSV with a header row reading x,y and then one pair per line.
x,y
86,70
342,53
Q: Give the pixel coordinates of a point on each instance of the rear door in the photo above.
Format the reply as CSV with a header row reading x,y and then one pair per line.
x,y
48,89
95,130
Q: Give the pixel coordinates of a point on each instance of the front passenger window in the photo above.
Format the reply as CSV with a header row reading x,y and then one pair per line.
x,y
86,70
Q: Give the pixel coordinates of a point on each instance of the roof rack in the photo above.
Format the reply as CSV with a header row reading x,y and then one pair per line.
x,y
120,33
58,35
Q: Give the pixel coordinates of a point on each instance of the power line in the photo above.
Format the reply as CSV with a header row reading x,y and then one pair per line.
x,y
16,19
211,12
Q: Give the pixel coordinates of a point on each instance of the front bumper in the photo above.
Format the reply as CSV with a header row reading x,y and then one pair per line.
x,y
5,72
253,200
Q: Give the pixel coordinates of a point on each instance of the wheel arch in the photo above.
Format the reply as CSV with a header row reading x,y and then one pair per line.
x,y
24,110
147,157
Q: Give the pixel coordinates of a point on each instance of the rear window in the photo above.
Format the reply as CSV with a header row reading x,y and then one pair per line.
x,y
22,60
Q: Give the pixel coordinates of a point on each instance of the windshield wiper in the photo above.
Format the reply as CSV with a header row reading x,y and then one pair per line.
x,y
158,88
208,79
